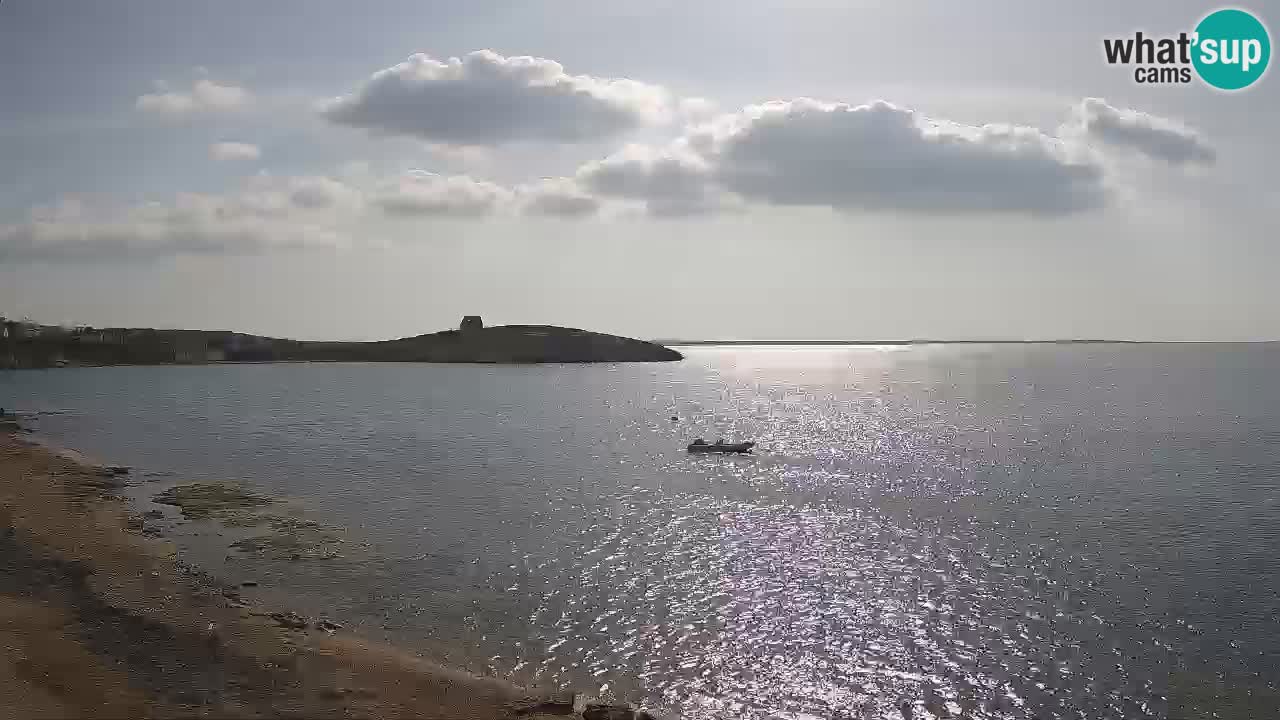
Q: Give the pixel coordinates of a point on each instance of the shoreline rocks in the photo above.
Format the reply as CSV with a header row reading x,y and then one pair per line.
x,y
574,705
171,594
290,620
216,501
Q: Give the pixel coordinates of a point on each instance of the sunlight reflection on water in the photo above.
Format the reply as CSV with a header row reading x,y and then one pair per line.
x,y
979,532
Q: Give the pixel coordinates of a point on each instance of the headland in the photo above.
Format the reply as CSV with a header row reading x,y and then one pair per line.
x,y
29,345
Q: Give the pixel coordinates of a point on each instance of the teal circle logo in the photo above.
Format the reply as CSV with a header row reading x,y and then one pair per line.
x,y
1232,49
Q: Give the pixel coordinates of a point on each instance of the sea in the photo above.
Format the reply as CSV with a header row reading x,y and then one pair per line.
x,y
927,531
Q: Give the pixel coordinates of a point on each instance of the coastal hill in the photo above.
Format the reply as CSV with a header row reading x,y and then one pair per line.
x,y
29,345
499,344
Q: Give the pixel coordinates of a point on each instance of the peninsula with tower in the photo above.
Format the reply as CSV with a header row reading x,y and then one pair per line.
x,y
26,344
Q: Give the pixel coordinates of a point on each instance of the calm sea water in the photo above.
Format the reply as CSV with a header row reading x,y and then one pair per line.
x,y
982,531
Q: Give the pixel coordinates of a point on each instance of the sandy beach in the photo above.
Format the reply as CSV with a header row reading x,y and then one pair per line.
x,y
100,621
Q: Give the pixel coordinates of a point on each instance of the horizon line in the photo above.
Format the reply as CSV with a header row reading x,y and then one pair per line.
x,y
1052,341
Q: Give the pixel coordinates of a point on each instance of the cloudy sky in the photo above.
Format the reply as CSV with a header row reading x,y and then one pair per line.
x,y
660,169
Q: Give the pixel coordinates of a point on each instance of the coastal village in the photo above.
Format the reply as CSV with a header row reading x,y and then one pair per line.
x,y
26,344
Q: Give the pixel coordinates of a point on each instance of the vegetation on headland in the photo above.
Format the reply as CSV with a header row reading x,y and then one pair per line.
x,y
31,345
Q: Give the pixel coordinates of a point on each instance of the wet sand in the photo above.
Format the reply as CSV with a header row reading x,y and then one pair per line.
x,y
99,621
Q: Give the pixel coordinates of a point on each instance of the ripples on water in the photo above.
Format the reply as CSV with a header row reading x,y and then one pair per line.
x,y
981,532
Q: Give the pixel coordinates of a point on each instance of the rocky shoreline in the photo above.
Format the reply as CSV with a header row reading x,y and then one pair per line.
x,y
101,619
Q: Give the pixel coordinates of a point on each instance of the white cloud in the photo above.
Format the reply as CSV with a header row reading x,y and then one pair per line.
x,y
234,151
273,213
1153,136
425,194
461,158
882,157
487,99
556,197
204,96
315,192
266,214
268,195
697,110
875,157
671,181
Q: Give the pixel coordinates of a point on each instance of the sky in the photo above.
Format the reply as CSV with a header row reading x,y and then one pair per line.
x,y
693,170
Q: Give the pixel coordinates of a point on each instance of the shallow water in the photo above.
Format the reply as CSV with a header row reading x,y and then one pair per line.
x,y
1009,531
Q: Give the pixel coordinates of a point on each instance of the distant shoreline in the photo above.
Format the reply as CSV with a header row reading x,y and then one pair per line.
x,y
26,345
694,343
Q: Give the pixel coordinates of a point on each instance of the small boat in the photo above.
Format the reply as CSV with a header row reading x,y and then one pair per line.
x,y
719,446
